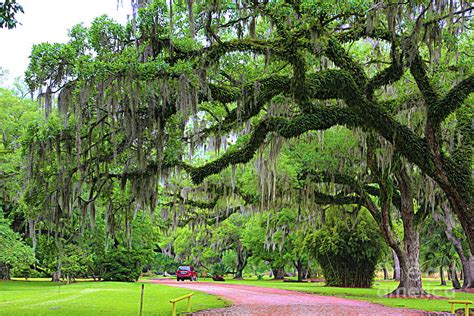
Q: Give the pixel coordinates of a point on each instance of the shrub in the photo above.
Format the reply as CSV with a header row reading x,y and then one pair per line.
x,y
347,252
121,265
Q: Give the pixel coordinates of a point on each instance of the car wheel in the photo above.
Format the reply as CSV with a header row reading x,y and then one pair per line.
x,y
178,279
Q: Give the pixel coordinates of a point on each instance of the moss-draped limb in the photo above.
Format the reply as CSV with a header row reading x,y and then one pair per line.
x,y
211,54
452,100
339,199
350,181
359,31
324,118
322,85
332,84
417,69
387,76
194,203
341,59
221,93
368,114
255,95
208,218
328,177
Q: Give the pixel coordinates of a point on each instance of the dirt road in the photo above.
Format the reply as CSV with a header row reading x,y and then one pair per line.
x,y
254,300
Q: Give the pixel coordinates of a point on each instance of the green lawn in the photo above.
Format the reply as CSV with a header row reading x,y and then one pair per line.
x,y
374,294
117,298
94,298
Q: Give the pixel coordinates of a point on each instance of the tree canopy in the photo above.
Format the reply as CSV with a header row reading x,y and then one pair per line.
x,y
224,118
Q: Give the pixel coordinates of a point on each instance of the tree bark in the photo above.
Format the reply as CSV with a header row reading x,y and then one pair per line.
x,y
467,260
409,253
410,276
441,274
385,274
396,266
192,27
299,269
241,261
56,276
5,272
278,273
468,273
454,276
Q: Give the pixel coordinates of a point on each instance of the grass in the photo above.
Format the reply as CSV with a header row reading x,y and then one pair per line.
x,y
374,294
41,297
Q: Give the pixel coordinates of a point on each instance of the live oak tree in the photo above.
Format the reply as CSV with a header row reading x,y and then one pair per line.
x,y
132,98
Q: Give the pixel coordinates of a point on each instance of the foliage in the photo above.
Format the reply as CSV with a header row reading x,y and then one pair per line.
x,y
348,251
219,270
120,264
165,264
14,251
8,11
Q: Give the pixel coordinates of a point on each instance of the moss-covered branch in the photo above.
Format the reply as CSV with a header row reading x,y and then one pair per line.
x,y
387,76
452,100
327,199
418,71
320,119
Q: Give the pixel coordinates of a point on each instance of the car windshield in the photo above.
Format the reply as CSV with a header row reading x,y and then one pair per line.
x,y
184,268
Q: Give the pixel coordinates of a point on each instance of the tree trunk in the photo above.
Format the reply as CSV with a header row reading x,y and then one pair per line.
x,y
241,261
299,269
396,266
385,273
410,276
468,268
441,274
192,27
409,256
467,260
278,273
56,276
454,276
446,175
5,272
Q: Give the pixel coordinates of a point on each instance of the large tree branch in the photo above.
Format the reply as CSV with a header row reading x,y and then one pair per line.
x,y
387,76
339,199
452,100
418,71
323,118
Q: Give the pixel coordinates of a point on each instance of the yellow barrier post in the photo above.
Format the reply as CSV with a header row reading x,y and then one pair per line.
x,y
466,305
188,309
174,301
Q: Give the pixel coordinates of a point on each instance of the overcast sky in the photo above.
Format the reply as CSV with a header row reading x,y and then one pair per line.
x,y
48,21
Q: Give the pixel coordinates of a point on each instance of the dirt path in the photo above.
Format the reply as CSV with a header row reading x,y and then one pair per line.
x,y
254,300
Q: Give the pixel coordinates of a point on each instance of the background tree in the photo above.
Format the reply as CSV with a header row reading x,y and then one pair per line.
x,y
15,253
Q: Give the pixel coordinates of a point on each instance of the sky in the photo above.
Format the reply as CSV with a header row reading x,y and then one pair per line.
x,y
49,21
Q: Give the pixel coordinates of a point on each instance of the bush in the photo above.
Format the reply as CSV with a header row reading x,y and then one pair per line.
x,y
347,253
122,265
26,273
218,271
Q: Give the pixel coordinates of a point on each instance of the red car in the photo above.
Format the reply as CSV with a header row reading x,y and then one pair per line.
x,y
186,272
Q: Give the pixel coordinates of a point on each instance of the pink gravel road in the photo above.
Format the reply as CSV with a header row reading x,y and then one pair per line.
x,y
255,300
